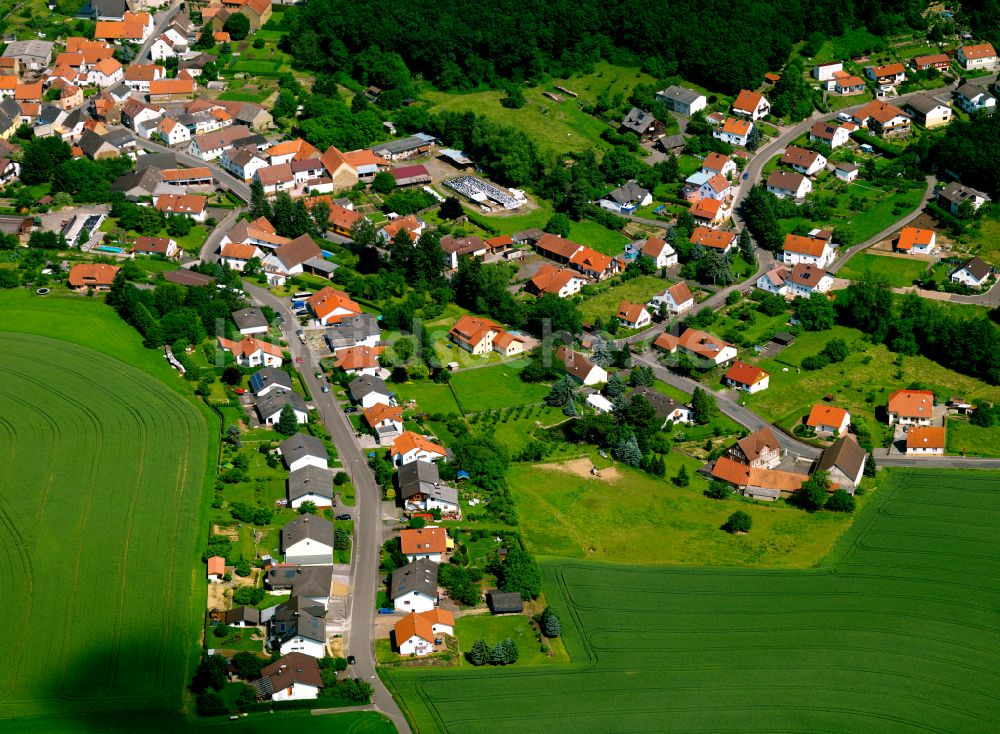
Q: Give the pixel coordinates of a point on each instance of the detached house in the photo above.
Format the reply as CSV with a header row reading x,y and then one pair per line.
x,y
481,336
421,488
659,251
980,56
633,315
911,407
845,460
385,421
307,541
580,368
251,352
830,133
293,677
828,419
236,256
682,100
416,632
941,62
368,390
642,123
733,131
92,276
299,625
803,160
974,273
883,119
804,279
888,75
563,282
747,377
925,441
787,184
288,259
816,248
330,306
358,360
677,298
429,543
758,450
915,241
626,198
953,195
302,450
412,446
310,484
973,99
270,406
723,241
929,111
413,587
698,345
751,104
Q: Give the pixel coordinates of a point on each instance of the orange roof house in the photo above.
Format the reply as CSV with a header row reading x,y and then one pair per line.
x,y
474,334
239,251
774,482
915,239
248,346
424,626
411,444
331,305
358,359
911,406
550,279
171,87
716,239
824,417
92,275
216,567
381,412
423,542
805,245
747,376
747,102
925,439
634,314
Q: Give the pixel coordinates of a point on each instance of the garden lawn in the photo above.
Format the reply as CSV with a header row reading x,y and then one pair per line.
x,y
964,438
103,552
597,236
895,632
983,241
900,272
430,397
860,384
604,304
517,627
638,518
489,388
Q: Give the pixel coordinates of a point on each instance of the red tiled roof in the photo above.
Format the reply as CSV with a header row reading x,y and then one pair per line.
x,y
746,374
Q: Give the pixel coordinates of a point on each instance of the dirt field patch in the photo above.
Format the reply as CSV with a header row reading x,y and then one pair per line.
x,y
583,468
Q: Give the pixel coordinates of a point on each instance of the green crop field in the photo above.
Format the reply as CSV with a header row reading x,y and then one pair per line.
x,y
900,272
101,522
896,632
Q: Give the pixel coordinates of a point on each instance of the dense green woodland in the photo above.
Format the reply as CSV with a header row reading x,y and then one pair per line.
x,y
460,44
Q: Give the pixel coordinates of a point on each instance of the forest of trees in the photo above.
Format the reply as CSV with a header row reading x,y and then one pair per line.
x,y
459,44
970,150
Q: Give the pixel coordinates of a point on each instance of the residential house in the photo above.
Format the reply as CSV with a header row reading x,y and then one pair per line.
x,y
954,195
243,162
734,131
804,279
633,315
191,206
747,377
845,461
580,368
96,147
299,624
456,247
368,390
301,450
915,241
751,104
358,360
549,279
677,299
974,273
171,90
270,406
828,419
173,132
251,352
105,73
242,617
330,306
717,163
711,213
682,100
290,150
274,179
928,111
973,98
410,224
288,259
155,246
216,569
659,251
136,112
307,541
626,198
361,330
758,450
941,62
309,484
475,335
667,409
848,84
421,488
887,75
846,171
341,172
413,587
428,542
698,345
830,133
788,184
211,145
133,28
412,446
593,264
925,440
883,119
816,248
979,56
642,123
293,677
825,72
704,185
803,160
720,240
236,255
267,379
911,407
757,482
416,632
92,277
386,421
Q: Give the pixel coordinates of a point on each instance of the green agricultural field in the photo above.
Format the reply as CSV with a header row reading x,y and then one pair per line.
x,y
868,374
628,516
489,388
900,272
102,507
348,722
637,290
896,631
964,438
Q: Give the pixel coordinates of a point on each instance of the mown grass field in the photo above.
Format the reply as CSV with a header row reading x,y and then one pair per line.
x,y
896,632
351,722
101,511
636,290
497,387
900,272
964,438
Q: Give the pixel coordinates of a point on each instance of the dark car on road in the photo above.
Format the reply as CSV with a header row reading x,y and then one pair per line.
x,y
343,517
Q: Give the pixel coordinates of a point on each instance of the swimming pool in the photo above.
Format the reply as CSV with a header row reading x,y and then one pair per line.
x,y
109,248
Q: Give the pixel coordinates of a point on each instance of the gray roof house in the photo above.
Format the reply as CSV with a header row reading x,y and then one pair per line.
x,y
242,617
412,581
420,486
504,602
310,484
269,378
270,405
845,460
359,330
368,390
32,54
303,450
682,100
250,321
139,183
642,123
626,198
310,582
307,540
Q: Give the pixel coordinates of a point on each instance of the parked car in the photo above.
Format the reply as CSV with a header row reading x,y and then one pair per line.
x,y
343,517
384,610
298,360
350,409
351,660
326,388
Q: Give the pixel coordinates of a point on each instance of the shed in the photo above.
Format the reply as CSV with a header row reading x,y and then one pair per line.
x,y
783,338
504,602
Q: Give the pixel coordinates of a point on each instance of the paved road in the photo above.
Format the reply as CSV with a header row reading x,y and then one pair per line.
x,y
210,249
160,22
367,514
744,416
227,180
942,462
